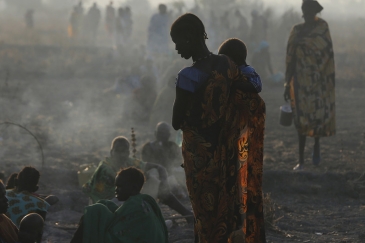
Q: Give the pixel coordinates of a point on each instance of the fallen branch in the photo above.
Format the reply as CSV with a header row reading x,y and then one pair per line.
x,y
26,129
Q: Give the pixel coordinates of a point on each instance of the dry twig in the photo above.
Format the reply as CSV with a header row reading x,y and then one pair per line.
x,y
26,129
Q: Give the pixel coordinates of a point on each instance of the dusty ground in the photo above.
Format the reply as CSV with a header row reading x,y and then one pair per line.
x,y
321,204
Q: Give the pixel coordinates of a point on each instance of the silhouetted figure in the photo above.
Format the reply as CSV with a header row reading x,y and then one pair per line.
x,y
258,29
75,23
10,184
158,32
29,19
22,199
310,80
214,109
110,19
242,30
128,24
261,60
93,20
31,229
120,28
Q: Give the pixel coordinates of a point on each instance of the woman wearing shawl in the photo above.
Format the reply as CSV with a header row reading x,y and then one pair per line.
x,y
310,79
138,220
223,130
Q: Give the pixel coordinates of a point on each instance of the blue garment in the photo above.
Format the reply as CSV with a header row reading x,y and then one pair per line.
x,y
190,79
252,76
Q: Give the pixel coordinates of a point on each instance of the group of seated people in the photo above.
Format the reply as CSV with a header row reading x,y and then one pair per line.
x,y
118,178
29,229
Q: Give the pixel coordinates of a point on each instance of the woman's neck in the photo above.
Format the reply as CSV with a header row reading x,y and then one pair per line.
x,y
201,52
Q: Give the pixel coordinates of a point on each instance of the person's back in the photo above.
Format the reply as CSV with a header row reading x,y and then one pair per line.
x,y
31,229
22,200
139,219
158,31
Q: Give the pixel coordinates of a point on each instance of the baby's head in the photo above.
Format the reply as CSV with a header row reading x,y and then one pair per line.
x,y
235,49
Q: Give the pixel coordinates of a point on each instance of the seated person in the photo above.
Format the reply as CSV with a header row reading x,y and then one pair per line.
x,y
162,151
22,200
8,231
139,219
236,50
101,184
10,184
167,154
31,229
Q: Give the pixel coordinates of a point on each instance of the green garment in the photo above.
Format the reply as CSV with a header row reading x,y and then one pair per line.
x,y
102,183
138,220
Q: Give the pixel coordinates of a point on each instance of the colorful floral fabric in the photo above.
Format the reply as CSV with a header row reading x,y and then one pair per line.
x,y
311,75
23,203
223,158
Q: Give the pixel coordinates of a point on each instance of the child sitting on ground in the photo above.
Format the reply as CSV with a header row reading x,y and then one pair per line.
x,y
139,219
236,50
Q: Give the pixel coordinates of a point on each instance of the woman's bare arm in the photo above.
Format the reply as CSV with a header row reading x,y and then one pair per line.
x,y
181,105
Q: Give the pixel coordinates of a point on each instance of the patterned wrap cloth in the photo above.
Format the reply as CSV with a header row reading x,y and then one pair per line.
x,y
223,134
311,76
8,231
23,203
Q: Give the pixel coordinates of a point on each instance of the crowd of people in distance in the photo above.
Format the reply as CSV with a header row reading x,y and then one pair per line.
x,y
217,106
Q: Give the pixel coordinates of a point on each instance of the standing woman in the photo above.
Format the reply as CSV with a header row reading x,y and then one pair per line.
x,y
310,80
222,119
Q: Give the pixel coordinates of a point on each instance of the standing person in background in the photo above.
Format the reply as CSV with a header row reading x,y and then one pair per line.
x,y
93,21
29,19
261,60
258,29
158,32
120,28
242,30
128,28
74,25
223,133
110,19
310,80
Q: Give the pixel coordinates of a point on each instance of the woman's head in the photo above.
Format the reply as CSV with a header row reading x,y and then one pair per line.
x,y
188,32
310,9
128,182
27,179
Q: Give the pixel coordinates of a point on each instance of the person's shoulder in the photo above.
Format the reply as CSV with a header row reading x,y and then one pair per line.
x,y
322,22
11,193
189,78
